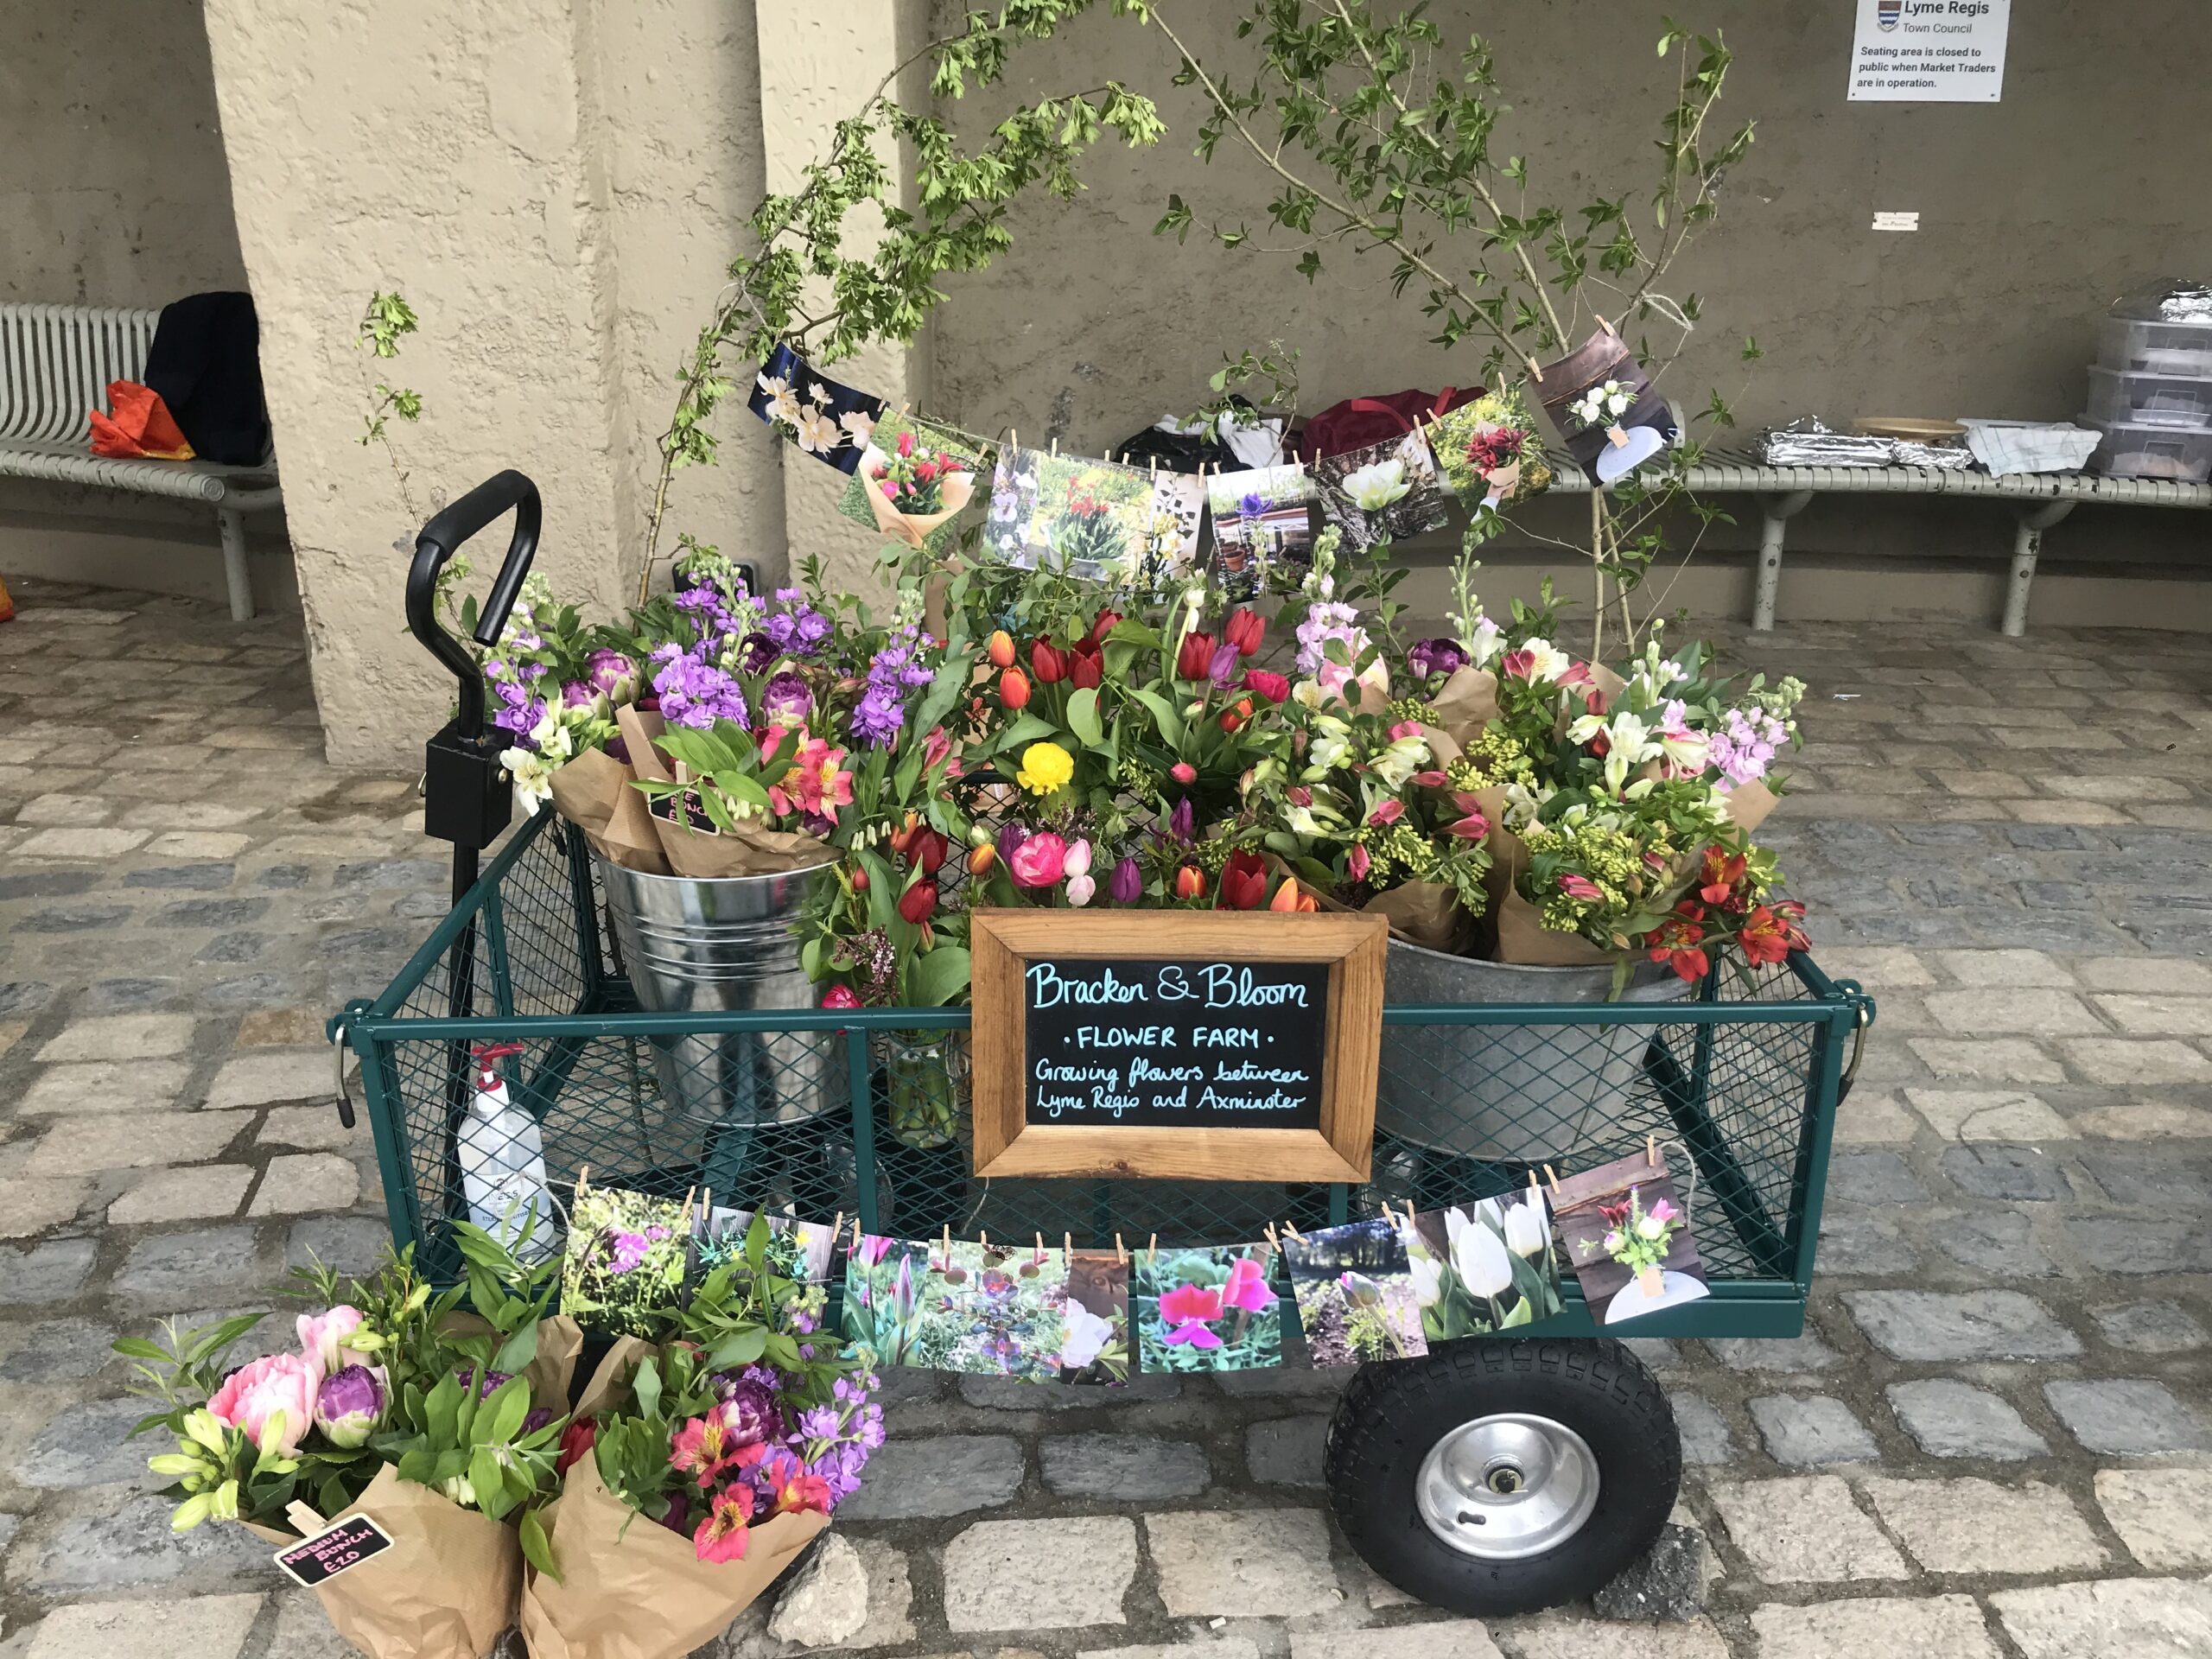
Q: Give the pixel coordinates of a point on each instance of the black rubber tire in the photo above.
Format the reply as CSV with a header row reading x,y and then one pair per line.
x,y
1391,1414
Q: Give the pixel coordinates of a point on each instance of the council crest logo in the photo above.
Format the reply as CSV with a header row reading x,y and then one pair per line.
x,y
1886,13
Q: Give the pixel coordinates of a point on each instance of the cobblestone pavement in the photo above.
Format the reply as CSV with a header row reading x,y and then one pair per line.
x,y
1992,1439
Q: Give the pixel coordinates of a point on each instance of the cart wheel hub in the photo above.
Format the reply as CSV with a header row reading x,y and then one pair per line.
x,y
1506,1487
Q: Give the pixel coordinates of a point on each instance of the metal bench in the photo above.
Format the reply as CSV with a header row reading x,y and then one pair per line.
x,y
2039,500
55,364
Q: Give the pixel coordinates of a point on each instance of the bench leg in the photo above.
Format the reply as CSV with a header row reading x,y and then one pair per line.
x,y
2027,548
1777,509
235,575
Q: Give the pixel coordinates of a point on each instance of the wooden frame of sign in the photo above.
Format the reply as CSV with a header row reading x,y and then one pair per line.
x,y
1189,1001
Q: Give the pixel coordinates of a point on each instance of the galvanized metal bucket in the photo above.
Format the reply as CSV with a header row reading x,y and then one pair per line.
x,y
1512,1093
725,945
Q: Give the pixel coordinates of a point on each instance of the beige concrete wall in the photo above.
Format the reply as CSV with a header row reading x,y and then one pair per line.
x,y
2034,213
553,184
115,191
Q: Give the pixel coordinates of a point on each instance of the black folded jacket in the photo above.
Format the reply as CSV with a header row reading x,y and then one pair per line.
x,y
205,363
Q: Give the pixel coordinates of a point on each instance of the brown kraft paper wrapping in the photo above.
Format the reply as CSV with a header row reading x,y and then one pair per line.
x,y
1426,913
1748,805
593,791
444,1590
1467,703
702,852
914,528
610,1381
1524,941
632,1589
560,1339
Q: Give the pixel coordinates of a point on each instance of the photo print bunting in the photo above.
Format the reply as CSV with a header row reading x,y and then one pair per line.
x,y
798,1250
625,1263
1356,1292
828,420
1179,502
1488,1266
1605,407
1629,1237
1263,528
958,1306
1205,1309
1385,492
1489,453
1095,1320
913,482
1091,518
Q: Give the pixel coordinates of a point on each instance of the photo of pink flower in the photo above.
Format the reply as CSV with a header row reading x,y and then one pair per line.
x,y
1205,1310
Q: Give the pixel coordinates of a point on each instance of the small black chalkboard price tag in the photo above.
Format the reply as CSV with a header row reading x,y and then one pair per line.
x,y
341,1545
1183,1044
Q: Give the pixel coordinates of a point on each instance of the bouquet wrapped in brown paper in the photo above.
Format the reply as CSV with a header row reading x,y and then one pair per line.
x,y
445,1589
699,1469
717,819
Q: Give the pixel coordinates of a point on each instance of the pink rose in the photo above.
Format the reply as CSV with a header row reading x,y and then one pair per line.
x,y
277,1392
322,1338
1038,861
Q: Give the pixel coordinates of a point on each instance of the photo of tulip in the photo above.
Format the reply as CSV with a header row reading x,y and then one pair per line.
x,y
798,1250
975,1307
1089,519
1205,1310
1385,492
1628,1235
1095,1320
623,1270
1263,529
1490,1266
1354,1285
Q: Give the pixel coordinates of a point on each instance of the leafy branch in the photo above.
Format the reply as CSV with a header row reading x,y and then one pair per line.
x,y
389,320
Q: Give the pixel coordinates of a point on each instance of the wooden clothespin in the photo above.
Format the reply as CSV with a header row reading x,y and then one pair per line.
x,y
304,1518
1153,1254
1056,449
1013,439
1535,373
857,1232
1387,1216
947,1257
1067,1244
1040,1247
837,1227
683,1219
706,1205
1651,1151
1536,1187
1120,1253
1553,1179
583,1173
1291,1228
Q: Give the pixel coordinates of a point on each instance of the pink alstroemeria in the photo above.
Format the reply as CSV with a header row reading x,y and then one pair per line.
x,y
1473,826
1356,862
816,783
723,1535
1581,888
1387,811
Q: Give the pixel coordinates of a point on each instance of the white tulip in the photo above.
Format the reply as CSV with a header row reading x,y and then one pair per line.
x,y
1429,1278
1478,1255
1526,1233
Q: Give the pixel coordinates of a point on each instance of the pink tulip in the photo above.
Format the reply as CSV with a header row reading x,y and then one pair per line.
x,y
256,1396
840,996
322,1338
1038,861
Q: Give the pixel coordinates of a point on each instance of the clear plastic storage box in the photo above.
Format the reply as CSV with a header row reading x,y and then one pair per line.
x,y
2184,348
2122,398
2134,450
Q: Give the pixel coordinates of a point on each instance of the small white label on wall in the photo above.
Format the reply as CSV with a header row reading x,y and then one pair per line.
x,y
1929,51
1896,221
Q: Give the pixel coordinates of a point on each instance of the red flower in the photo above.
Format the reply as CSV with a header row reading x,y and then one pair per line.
x,y
1234,717
1013,688
1183,772
919,903
1243,628
1595,703
1194,661
1048,662
1678,942
1719,876
1244,882
575,1439
1103,625
927,850
1770,932
1086,664
1273,686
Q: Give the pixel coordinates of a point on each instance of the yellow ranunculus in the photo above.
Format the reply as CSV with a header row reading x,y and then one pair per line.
x,y
1045,768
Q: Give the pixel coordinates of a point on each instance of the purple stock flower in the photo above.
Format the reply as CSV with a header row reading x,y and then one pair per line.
x,y
708,612
350,1404
799,627
1429,657
785,700
696,694
822,1423
1126,884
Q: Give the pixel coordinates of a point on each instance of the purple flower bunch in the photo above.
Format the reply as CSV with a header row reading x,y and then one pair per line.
x,y
829,1442
894,671
1745,745
1430,657
692,690
1328,619
797,627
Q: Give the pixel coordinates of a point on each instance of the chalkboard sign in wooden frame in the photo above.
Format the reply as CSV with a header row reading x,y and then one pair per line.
x,y
1335,1139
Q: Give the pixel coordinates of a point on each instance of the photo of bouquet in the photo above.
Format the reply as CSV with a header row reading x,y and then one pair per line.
x,y
1384,492
1205,1310
916,488
1489,453
1629,1237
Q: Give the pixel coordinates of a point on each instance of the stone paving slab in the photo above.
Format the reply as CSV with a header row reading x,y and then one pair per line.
x,y
2010,1317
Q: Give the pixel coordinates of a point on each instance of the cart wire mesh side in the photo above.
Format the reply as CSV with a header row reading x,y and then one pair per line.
x,y
860,1113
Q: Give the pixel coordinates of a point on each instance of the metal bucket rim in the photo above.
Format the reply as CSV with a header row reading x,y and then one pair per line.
x,y
1646,979
607,863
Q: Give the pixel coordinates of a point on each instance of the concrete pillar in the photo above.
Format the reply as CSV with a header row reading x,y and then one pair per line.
x,y
557,186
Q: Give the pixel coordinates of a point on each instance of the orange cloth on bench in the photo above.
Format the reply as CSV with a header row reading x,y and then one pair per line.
x,y
141,426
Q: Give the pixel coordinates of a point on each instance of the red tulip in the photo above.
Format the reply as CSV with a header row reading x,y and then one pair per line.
x,y
1244,882
1273,686
1013,688
1103,625
1000,646
1183,772
859,879
1243,629
1233,717
919,903
1048,662
927,851
1194,660
1086,664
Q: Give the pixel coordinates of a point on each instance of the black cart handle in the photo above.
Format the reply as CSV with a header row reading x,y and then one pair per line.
x,y
438,541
